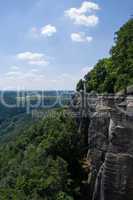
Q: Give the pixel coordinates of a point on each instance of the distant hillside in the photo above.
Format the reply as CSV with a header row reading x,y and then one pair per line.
x,y
14,118
112,74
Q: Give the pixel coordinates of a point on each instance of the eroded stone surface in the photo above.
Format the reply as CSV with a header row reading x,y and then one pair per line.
x,y
115,178
98,144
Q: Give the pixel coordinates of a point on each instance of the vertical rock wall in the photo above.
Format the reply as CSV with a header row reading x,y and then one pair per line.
x,y
98,144
111,152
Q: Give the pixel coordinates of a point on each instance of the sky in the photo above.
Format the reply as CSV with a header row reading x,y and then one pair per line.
x,y
51,44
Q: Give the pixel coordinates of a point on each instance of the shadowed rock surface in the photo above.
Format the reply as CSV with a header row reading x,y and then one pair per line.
x,y
108,122
114,174
98,143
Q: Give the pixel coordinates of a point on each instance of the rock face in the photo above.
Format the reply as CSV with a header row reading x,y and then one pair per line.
x,y
98,144
109,126
111,152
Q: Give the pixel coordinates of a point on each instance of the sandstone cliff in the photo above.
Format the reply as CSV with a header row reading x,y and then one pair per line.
x,y
110,139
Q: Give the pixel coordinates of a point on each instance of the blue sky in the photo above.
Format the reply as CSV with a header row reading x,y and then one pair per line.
x,y
52,44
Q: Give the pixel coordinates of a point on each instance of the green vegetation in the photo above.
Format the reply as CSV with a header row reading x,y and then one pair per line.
x,y
43,162
113,74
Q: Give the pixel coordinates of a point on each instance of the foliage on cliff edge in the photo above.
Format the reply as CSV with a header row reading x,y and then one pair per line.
x,y
116,72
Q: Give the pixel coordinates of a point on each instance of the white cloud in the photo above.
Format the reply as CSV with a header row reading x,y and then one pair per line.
x,y
33,58
81,37
45,31
88,7
48,30
19,75
79,15
30,56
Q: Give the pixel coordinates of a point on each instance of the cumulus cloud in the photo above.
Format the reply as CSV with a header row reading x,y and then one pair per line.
x,y
80,15
33,58
45,31
88,6
81,37
48,30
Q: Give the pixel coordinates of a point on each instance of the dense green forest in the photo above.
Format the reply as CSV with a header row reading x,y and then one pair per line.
x,y
43,162
115,73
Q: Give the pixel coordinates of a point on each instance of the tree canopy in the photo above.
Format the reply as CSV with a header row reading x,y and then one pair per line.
x,y
116,72
42,162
